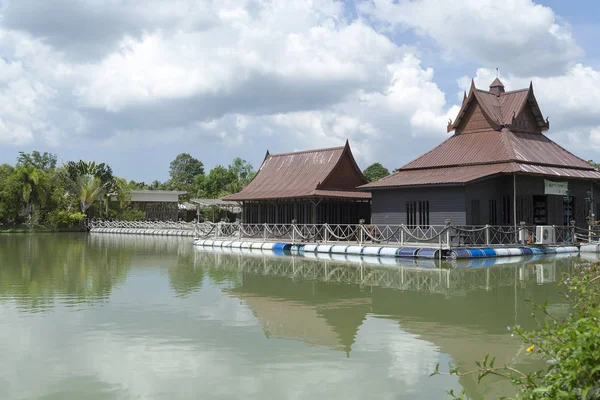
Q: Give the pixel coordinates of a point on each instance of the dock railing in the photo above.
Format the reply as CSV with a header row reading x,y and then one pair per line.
x,y
441,236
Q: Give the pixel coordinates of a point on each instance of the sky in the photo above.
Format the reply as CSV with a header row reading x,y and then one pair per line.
x,y
133,83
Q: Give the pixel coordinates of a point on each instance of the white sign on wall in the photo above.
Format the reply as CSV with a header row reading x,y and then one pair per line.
x,y
557,188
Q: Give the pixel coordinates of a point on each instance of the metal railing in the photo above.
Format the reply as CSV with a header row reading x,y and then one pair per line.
x,y
150,225
441,236
446,236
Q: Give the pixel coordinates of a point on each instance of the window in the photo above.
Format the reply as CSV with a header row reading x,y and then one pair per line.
x,y
492,220
475,213
506,210
417,213
423,213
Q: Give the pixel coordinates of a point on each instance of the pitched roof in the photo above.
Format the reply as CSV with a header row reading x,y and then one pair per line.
x,y
331,173
468,173
500,149
500,107
493,147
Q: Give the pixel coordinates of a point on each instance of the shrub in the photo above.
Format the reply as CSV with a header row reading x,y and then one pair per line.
x,y
127,214
570,346
63,218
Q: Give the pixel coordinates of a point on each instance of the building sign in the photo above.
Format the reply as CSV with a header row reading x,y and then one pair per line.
x,y
557,188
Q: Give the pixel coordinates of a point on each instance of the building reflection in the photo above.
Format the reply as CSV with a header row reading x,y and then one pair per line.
x,y
463,311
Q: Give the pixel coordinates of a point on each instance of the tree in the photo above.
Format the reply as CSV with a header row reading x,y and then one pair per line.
x,y
184,168
11,194
93,181
218,180
45,161
241,172
90,190
594,164
375,172
35,187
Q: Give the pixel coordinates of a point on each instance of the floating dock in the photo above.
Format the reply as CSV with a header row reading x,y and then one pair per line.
x,y
390,251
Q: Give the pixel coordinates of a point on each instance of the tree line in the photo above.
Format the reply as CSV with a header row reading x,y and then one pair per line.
x,y
187,173
38,191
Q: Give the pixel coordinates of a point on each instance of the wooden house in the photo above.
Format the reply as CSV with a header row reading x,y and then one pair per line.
x,y
497,168
310,187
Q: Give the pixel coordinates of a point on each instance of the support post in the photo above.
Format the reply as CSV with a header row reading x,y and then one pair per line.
x,y
522,233
325,233
448,233
361,226
573,231
264,232
515,206
487,235
293,231
402,235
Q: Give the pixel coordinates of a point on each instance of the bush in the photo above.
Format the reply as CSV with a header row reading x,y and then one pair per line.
x,y
127,214
63,218
570,346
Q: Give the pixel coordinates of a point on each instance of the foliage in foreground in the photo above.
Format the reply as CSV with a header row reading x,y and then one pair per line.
x,y
570,346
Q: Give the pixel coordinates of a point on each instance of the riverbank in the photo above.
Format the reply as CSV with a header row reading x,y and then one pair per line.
x,y
37,229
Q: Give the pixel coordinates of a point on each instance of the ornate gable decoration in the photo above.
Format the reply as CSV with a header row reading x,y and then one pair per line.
x,y
496,109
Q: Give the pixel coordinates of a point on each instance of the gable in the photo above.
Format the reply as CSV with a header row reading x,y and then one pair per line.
x,y
345,175
526,121
475,119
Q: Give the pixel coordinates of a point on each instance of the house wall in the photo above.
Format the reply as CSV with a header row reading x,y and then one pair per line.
x,y
500,191
389,205
486,202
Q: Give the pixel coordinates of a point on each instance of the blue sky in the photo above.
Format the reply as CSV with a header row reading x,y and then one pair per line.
x,y
133,83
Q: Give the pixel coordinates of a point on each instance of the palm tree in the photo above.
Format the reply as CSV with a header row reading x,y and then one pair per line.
x,y
35,187
90,189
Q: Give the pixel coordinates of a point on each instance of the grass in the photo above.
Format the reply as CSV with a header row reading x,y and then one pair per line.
x,y
4,229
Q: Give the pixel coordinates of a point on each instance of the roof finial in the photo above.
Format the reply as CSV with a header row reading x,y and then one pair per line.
x,y
497,87
497,73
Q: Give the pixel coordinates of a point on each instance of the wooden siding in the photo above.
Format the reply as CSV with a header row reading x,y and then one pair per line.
x,y
474,120
344,176
526,121
458,203
389,206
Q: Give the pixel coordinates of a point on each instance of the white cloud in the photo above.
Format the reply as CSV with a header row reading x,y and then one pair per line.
x,y
517,35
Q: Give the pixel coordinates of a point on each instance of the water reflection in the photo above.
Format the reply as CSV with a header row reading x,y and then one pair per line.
x,y
463,312
157,318
36,269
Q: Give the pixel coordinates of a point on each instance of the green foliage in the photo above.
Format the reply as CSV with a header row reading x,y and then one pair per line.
x,y
241,172
375,172
90,189
594,164
218,181
570,347
45,161
63,218
37,190
184,168
127,214
11,189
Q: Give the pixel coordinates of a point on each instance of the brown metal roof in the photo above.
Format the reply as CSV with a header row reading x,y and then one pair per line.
x,y
500,107
438,176
331,173
497,146
468,156
464,174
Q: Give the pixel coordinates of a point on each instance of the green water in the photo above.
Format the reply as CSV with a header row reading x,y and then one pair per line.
x,y
130,317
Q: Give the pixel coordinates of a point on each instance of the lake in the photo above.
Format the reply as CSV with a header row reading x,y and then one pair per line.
x,y
100,316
